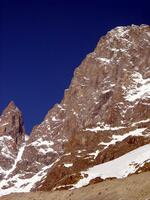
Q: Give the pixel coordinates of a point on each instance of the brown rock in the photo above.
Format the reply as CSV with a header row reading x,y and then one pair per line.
x,y
104,99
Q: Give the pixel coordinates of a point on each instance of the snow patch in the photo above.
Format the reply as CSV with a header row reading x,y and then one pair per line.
x,y
85,78
26,137
118,168
54,119
67,165
43,146
105,91
19,156
140,89
148,33
24,185
3,124
105,60
40,142
60,106
95,154
4,140
119,138
105,127
142,121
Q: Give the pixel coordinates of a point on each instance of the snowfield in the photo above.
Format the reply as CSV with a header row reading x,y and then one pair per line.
x,y
118,168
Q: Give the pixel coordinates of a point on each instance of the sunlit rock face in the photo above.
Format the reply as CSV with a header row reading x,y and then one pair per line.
x,y
12,136
104,114
11,123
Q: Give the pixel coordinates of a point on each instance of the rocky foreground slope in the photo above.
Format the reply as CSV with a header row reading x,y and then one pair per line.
x,y
104,115
123,189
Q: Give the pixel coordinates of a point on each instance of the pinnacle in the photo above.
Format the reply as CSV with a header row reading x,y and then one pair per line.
x,y
10,106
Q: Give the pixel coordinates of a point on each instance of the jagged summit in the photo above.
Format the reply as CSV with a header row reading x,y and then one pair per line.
x,y
11,124
105,114
12,104
12,136
10,107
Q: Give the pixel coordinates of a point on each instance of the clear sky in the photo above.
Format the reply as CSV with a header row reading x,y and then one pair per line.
x,y
43,41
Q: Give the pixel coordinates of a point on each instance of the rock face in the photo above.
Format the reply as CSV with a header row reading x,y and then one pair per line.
x,y
11,123
104,114
12,135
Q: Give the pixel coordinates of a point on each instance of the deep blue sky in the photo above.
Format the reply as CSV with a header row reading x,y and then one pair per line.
x,y
42,41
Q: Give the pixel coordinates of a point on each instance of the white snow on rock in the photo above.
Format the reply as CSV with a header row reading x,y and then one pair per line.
x,y
4,144
139,89
105,127
119,138
148,33
118,49
61,107
26,137
119,31
142,121
4,124
43,146
118,168
67,165
54,119
105,91
105,60
95,154
19,183
24,185
85,78
5,138
40,142
46,150
19,156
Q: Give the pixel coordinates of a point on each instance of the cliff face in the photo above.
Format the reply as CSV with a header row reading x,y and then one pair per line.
x,y
104,114
12,135
107,105
11,123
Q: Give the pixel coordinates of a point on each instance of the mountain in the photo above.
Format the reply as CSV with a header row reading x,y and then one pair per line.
x,y
12,136
100,130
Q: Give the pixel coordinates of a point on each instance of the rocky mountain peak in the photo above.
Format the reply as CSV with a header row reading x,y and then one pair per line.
x,y
11,123
12,136
104,114
11,106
